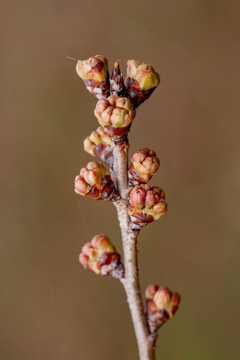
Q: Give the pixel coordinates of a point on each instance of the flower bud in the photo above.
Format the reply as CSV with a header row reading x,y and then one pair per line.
x,y
117,86
98,143
161,305
93,173
146,205
141,81
115,114
95,181
100,257
94,73
144,164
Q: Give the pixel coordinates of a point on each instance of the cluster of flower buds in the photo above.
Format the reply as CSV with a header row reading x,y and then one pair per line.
x,y
115,114
100,256
94,73
141,81
161,305
98,143
146,205
95,181
144,164
139,84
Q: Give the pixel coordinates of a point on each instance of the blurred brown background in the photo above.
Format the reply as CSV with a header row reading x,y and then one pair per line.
x,y
50,308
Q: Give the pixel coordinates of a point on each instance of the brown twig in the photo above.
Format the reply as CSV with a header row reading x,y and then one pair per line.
x,y
145,340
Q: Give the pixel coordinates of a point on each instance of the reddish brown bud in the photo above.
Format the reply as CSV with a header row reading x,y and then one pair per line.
x,y
116,82
146,205
100,257
94,73
98,143
95,181
141,81
144,164
115,114
161,305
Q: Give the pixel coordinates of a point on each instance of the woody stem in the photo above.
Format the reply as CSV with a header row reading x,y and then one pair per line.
x,y
146,340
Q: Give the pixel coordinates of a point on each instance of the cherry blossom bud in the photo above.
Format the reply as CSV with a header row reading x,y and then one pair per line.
x,y
100,257
95,181
115,114
143,166
94,73
141,81
116,82
98,143
146,205
161,305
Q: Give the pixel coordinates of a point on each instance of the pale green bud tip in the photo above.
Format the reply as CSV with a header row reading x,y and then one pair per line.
x,y
145,75
94,68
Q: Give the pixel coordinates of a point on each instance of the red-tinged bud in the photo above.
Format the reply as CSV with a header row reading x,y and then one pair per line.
x,y
117,86
143,166
98,143
81,187
115,114
138,195
146,205
150,291
161,305
94,73
100,257
141,81
95,181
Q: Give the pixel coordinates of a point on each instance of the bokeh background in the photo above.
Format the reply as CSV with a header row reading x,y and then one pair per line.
x,y
50,307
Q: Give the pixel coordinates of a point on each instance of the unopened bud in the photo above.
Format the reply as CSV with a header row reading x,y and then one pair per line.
x,y
143,166
115,114
95,181
100,257
116,82
146,205
161,305
93,173
94,73
98,143
141,81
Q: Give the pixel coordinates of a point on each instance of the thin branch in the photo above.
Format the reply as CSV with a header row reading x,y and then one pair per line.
x,y
145,340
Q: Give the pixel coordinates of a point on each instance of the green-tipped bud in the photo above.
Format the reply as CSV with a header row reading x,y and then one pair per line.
x,y
114,113
98,143
141,81
161,305
146,205
144,164
94,73
117,86
95,181
100,257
